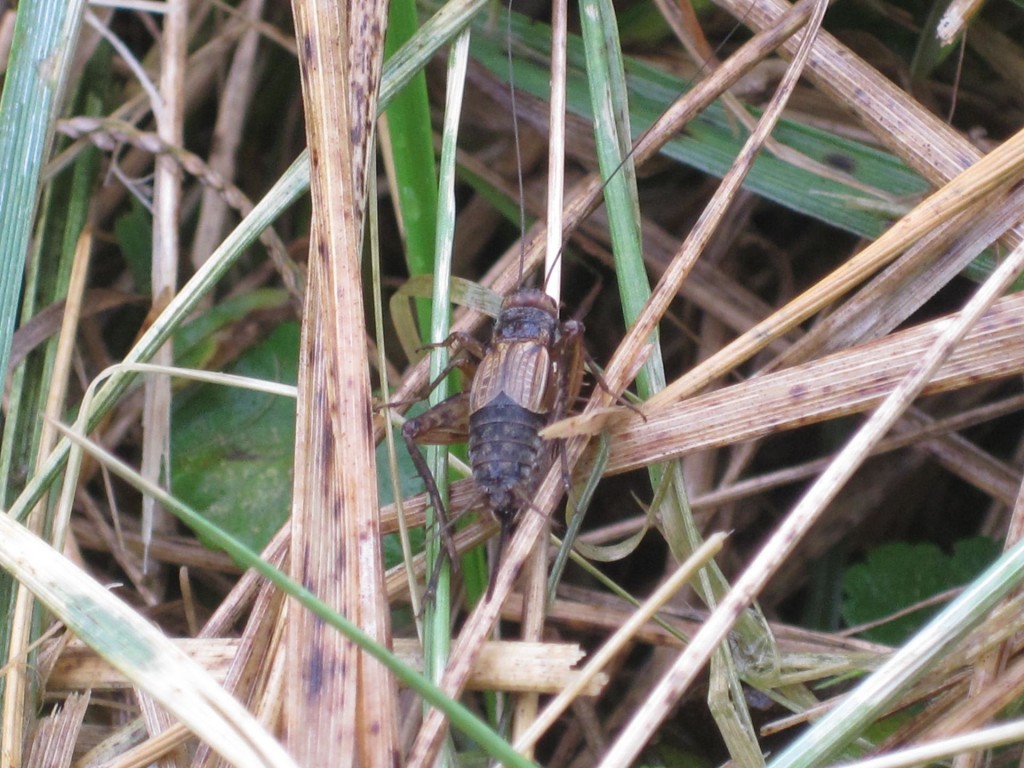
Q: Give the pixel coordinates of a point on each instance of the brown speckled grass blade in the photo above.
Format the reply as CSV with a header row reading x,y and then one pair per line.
x,y
340,704
995,170
827,388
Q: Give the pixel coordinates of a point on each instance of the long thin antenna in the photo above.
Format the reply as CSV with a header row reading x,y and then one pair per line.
x,y
519,152
555,242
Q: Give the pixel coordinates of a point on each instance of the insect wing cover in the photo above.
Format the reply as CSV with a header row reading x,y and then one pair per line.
x,y
520,370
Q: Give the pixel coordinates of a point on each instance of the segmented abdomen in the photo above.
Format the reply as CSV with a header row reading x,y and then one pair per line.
x,y
504,450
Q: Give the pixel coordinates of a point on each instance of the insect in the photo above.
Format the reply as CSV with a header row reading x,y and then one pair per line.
x,y
522,380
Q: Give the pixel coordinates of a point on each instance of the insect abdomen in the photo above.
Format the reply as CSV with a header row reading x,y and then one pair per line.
x,y
504,450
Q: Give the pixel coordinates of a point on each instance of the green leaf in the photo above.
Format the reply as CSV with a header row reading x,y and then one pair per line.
x,y
231,449
199,341
895,576
412,153
134,233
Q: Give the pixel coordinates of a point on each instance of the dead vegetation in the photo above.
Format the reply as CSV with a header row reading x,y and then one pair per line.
x,y
832,251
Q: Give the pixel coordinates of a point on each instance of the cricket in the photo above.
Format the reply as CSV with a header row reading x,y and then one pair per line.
x,y
519,382
522,379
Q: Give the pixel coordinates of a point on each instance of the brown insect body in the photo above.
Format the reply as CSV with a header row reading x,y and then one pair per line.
x,y
525,376
511,399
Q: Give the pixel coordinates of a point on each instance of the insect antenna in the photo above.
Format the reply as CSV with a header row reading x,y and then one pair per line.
x,y
518,146
557,241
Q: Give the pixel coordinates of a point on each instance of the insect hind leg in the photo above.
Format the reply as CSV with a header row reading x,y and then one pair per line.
x,y
430,485
444,424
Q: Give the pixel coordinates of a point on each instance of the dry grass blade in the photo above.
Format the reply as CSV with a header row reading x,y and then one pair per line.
x,y
502,666
624,634
954,20
237,96
535,576
807,511
483,618
169,111
920,138
847,382
248,677
901,289
138,649
578,203
996,170
340,704
1000,168
16,686
803,515
57,734
822,308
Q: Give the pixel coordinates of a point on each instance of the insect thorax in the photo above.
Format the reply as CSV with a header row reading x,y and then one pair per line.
x,y
527,314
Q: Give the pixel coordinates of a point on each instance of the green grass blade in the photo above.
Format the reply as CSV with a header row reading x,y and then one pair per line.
x,y
412,154
437,636
45,35
135,647
409,59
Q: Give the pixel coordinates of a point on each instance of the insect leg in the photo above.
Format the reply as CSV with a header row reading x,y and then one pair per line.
x,y
569,353
460,340
463,347
444,424
507,525
569,356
